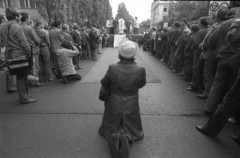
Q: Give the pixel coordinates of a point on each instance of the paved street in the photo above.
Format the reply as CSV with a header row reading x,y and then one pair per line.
x,y
63,123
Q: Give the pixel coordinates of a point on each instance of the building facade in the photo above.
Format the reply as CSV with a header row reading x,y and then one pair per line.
x,y
159,9
28,6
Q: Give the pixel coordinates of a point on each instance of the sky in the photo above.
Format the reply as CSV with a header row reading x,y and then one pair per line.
x,y
137,8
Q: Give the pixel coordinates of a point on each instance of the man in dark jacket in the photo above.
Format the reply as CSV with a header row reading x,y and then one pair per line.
x,y
176,32
198,61
34,41
44,57
210,64
77,40
228,52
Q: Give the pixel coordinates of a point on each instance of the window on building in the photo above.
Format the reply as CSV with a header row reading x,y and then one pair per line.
x,y
165,9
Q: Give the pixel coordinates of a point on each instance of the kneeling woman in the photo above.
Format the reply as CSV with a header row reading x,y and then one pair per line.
x,y
121,120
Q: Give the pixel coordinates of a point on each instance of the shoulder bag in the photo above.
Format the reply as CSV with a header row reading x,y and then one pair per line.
x,y
17,65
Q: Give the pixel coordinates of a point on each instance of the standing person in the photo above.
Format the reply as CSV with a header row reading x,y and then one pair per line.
x,y
56,38
136,26
78,41
108,26
188,53
121,25
111,26
115,24
198,61
94,43
128,24
13,38
121,121
163,47
228,69
66,33
10,79
153,37
175,33
85,44
210,65
158,42
45,73
34,41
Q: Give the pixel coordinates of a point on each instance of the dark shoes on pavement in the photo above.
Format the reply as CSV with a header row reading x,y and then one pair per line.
x,y
190,89
202,96
30,100
12,90
236,139
201,130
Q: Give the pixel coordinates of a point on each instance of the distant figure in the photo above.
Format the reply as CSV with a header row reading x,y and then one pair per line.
x,y
111,26
128,24
115,24
108,26
121,26
136,26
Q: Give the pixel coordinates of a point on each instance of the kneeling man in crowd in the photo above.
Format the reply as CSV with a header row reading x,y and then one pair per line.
x,y
64,58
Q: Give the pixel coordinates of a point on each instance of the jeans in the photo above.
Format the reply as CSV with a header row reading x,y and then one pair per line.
x,y
230,104
22,87
226,74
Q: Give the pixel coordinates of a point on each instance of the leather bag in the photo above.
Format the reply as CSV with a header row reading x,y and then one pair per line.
x,y
17,65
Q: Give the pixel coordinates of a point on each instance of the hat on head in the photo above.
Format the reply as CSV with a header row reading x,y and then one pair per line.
x,y
127,49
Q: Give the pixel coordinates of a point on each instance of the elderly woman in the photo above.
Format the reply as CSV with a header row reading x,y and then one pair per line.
x,y
121,120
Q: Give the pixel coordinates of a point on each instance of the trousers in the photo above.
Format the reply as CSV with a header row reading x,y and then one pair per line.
x,y
225,75
230,104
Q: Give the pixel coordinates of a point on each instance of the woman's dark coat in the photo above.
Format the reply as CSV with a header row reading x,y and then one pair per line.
x,y
122,109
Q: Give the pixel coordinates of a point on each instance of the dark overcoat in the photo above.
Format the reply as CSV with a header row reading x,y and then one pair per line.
x,y
122,112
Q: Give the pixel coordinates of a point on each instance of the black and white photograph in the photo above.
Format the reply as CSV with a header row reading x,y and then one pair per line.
x,y
119,79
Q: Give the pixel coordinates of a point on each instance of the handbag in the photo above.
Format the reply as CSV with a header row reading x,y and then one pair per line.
x,y
17,65
104,94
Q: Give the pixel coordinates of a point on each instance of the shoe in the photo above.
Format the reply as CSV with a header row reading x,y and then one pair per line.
x,y
31,100
65,80
201,130
38,84
190,83
208,113
124,146
12,90
202,96
114,145
99,53
190,89
236,139
232,120
174,71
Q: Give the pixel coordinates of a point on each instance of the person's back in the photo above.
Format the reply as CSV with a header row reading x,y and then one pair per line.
x,y
126,77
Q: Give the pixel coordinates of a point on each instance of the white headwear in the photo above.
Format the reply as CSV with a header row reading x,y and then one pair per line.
x,y
127,49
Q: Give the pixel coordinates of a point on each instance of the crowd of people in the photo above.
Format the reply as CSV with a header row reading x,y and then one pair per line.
x,y
55,51
206,53
121,26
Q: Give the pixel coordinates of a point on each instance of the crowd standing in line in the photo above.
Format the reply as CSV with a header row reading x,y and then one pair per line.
x,y
57,50
206,53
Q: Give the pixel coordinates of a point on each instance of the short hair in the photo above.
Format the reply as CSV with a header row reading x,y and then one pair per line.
x,y
65,27
75,27
38,23
177,24
57,23
25,16
194,28
203,21
66,44
11,13
185,21
221,15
